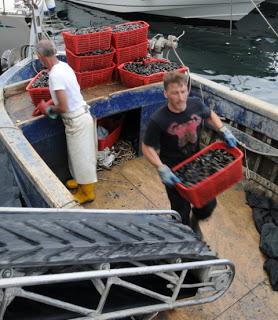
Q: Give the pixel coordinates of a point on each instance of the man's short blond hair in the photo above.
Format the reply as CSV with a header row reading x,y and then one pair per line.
x,y
174,77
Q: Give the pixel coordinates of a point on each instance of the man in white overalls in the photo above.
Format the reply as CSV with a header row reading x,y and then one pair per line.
x,y
80,126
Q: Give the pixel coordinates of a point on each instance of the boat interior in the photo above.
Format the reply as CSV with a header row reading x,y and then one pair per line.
x,y
134,184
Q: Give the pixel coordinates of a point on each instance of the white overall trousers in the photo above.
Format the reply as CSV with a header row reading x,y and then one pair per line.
x,y
81,136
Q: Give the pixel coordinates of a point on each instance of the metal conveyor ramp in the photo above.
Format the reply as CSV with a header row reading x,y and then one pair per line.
x,y
103,264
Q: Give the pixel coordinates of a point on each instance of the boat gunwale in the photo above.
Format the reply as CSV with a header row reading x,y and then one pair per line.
x,y
253,104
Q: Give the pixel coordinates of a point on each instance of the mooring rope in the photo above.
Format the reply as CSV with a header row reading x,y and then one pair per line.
x,y
9,127
265,19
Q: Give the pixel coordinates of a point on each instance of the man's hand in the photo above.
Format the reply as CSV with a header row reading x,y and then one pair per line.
x,y
167,176
36,112
45,108
41,108
228,136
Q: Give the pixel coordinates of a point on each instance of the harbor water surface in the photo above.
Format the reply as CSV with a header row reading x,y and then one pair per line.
x,y
246,60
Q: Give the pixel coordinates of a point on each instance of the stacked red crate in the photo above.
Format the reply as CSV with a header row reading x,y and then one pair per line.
x,y
39,92
130,39
91,56
131,80
204,191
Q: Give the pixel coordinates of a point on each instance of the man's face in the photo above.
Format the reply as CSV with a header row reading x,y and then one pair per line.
x,y
40,57
177,94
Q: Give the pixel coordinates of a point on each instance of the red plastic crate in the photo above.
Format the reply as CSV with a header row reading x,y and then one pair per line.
x,y
131,53
89,63
131,80
92,78
114,128
204,191
130,37
84,43
38,94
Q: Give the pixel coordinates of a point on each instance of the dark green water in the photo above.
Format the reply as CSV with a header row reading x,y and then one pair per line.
x,y
246,60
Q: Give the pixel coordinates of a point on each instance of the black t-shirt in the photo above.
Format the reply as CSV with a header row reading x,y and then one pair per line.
x,y
177,134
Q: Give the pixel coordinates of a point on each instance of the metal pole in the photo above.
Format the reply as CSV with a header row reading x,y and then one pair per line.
x,y
231,17
10,210
86,275
53,302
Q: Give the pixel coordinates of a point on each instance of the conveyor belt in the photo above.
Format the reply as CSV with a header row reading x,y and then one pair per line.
x,y
69,238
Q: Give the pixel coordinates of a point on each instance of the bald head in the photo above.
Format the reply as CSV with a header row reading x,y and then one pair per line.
x,y
46,48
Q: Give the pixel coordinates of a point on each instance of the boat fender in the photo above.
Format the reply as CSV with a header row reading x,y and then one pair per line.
x,y
51,6
9,58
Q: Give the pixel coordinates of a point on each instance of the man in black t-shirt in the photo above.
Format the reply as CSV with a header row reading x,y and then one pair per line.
x,y
175,130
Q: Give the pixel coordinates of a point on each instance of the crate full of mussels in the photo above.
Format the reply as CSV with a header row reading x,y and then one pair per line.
x,y
146,71
88,39
87,79
131,53
94,60
208,173
129,33
38,88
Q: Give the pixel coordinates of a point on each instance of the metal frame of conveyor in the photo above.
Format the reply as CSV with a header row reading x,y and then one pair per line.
x,y
219,276
213,278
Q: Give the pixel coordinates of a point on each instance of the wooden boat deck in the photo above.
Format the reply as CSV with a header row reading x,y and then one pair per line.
x,y
230,231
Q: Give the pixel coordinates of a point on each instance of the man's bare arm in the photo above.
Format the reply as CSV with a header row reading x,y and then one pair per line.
x,y
152,156
62,105
215,121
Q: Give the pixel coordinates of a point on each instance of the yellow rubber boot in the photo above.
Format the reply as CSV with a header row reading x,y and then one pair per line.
x,y
85,193
71,184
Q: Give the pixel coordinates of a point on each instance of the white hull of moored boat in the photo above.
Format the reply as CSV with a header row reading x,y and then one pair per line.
x,y
200,9
15,31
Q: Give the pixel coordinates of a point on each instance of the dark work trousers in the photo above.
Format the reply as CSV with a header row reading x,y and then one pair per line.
x,y
183,207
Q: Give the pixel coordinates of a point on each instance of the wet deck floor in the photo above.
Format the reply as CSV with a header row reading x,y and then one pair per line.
x,y
230,231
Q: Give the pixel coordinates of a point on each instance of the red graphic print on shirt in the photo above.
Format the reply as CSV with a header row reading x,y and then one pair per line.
x,y
187,131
